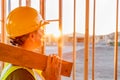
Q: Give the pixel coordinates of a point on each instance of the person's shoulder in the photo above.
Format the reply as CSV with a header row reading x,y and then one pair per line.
x,y
20,74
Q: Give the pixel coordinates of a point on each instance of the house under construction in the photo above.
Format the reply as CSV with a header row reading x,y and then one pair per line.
x,y
89,43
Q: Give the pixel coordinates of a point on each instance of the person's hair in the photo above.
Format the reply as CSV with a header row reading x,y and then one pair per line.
x,y
18,41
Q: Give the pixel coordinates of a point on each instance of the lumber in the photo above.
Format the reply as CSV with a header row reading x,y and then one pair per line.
x,y
25,58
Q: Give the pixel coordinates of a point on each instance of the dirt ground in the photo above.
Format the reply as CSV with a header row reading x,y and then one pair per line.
x,y
104,63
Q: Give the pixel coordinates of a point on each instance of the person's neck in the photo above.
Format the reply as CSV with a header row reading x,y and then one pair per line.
x,y
27,47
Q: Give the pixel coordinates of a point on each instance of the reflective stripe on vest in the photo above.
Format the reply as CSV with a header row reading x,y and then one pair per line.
x,y
10,68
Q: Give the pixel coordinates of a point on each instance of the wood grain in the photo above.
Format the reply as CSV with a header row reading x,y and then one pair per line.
x,y
21,57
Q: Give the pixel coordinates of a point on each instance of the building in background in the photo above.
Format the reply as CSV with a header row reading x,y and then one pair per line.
x,y
110,38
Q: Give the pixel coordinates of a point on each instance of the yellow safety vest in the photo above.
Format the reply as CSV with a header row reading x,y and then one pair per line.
x,y
10,68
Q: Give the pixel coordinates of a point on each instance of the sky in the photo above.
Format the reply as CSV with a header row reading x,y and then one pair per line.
x,y
105,15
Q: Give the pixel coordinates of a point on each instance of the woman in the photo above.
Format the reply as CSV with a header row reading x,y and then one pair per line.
x,y
25,29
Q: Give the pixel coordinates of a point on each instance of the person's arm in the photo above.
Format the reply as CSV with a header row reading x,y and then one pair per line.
x,y
53,69
20,74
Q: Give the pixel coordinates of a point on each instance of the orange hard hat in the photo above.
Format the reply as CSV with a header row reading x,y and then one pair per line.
x,y
23,20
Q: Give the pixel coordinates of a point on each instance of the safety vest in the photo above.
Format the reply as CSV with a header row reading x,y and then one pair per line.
x,y
10,68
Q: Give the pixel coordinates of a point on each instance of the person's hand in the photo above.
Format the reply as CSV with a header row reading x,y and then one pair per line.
x,y
53,69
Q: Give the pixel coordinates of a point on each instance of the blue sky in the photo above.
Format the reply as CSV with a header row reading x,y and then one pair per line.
x,y
105,15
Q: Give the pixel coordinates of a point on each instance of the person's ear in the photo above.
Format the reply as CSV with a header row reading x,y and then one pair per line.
x,y
31,36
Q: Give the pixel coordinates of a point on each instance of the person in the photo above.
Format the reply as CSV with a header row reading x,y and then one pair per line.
x,y
25,28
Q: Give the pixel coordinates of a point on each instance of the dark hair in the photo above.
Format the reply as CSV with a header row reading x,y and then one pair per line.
x,y
18,41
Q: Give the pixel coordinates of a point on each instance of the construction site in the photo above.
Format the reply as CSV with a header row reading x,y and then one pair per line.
x,y
84,34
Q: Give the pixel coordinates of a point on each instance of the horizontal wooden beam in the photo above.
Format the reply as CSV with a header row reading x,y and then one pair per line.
x,y
21,57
